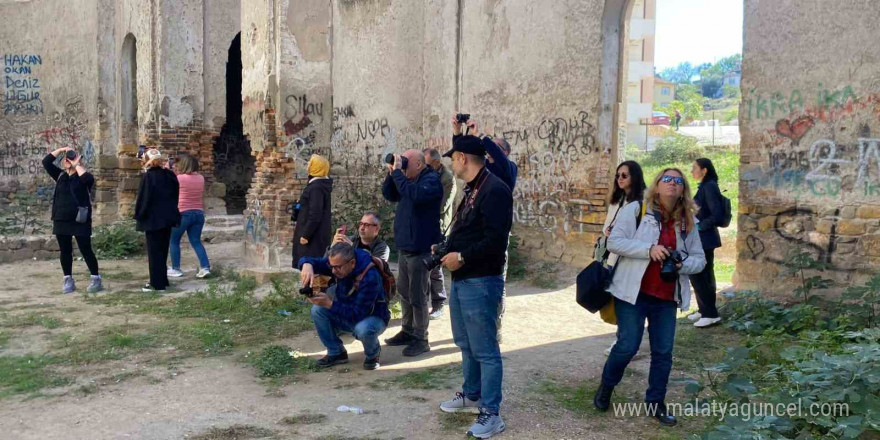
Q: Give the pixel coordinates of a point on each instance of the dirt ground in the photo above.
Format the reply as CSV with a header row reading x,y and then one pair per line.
x,y
548,340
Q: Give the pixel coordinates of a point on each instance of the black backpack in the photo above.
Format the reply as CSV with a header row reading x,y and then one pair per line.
x,y
727,212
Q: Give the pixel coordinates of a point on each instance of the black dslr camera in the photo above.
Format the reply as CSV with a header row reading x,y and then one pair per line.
x,y
668,271
433,260
308,291
389,159
71,154
462,118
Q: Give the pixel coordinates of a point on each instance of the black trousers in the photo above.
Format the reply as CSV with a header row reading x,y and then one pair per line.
x,y
704,285
438,289
157,253
84,243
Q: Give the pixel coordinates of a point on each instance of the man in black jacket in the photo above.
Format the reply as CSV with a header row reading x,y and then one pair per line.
x,y
418,192
477,244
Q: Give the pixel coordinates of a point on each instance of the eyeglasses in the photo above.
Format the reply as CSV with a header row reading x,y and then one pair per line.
x,y
364,225
667,178
623,176
332,267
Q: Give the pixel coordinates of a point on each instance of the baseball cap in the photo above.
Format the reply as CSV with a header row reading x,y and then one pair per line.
x,y
467,144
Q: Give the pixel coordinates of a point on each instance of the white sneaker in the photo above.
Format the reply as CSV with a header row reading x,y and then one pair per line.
x,y
706,322
203,272
460,403
176,273
694,317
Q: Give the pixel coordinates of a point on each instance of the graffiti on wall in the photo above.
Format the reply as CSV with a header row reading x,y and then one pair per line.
x,y
827,103
22,87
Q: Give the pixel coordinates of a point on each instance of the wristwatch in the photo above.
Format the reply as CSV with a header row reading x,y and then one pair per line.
x,y
460,258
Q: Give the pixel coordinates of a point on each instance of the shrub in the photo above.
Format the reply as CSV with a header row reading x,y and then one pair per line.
x,y
117,240
279,360
676,148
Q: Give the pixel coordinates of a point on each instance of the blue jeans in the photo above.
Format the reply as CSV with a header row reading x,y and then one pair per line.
x,y
473,307
329,326
192,223
630,329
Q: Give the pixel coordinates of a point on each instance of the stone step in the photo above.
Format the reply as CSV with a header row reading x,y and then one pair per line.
x,y
222,234
225,221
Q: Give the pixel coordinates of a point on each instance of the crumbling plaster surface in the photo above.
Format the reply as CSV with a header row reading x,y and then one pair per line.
x,y
223,22
181,83
258,57
810,122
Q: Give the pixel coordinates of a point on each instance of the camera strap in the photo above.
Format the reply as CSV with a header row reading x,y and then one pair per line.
x,y
470,200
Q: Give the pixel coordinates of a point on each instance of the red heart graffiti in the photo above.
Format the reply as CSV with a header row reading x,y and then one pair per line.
x,y
794,130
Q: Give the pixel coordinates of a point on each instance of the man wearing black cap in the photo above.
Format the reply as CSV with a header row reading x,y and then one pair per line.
x,y
477,243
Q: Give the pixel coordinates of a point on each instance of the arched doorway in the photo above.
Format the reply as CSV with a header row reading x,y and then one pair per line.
x,y
233,162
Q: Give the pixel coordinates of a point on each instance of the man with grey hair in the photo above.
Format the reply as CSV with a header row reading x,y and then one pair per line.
x,y
360,306
438,289
418,192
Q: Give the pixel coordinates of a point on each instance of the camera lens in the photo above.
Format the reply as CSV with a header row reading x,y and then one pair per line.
x,y
389,159
71,154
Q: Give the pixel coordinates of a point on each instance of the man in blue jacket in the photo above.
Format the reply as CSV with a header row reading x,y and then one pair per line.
x,y
418,192
360,306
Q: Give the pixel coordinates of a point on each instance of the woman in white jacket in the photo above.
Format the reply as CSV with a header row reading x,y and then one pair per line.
x,y
642,290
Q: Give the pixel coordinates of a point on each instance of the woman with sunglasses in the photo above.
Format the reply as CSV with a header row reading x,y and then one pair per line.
x,y
72,191
650,283
629,187
710,215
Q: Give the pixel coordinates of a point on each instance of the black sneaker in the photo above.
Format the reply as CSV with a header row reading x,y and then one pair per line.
x,y
329,361
400,339
371,363
416,348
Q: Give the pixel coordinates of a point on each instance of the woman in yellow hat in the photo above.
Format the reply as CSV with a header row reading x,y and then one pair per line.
x,y
312,223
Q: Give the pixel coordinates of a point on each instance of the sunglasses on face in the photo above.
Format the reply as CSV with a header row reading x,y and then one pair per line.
x,y
364,225
341,265
623,176
667,178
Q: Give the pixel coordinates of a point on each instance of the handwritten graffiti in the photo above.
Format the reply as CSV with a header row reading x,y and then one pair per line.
x,y
761,106
256,229
340,113
371,129
22,88
574,136
297,106
795,226
796,129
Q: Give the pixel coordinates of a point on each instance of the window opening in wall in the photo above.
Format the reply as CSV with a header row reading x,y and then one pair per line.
x,y
233,163
684,55
128,89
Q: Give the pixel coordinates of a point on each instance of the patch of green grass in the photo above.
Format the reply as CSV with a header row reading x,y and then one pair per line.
x,y
30,307
578,399
28,374
304,419
455,421
277,361
234,432
695,348
4,339
29,320
434,378
122,276
724,272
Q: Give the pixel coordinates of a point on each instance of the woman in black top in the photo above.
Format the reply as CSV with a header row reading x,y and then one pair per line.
x,y
72,187
312,230
156,213
711,211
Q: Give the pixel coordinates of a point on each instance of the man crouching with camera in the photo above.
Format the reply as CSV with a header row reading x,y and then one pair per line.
x,y
656,253
474,253
360,306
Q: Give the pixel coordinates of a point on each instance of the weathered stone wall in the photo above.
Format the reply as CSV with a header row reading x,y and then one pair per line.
x,y
810,121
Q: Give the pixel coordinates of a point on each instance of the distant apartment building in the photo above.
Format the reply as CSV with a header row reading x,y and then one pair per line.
x,y
640,72
664,92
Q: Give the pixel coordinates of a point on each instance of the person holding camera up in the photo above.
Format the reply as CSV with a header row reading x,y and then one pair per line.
x,y
360,306
497,152
72,215
156,213
475,254
418,192
656,252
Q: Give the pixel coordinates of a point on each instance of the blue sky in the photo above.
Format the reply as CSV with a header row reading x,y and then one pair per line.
x,y
699,31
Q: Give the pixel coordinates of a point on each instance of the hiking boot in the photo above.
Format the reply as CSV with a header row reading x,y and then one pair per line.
x,y
400,339
371,363
176,273
486,426
203,272
416,348
69,286
95,284
437,313
658,411
706,322
461,403
329,361
602,399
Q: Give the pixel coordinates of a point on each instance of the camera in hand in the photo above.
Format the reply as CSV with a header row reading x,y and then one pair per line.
x,y
433,260
389,159
668,269
308,291
71,154
462,118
